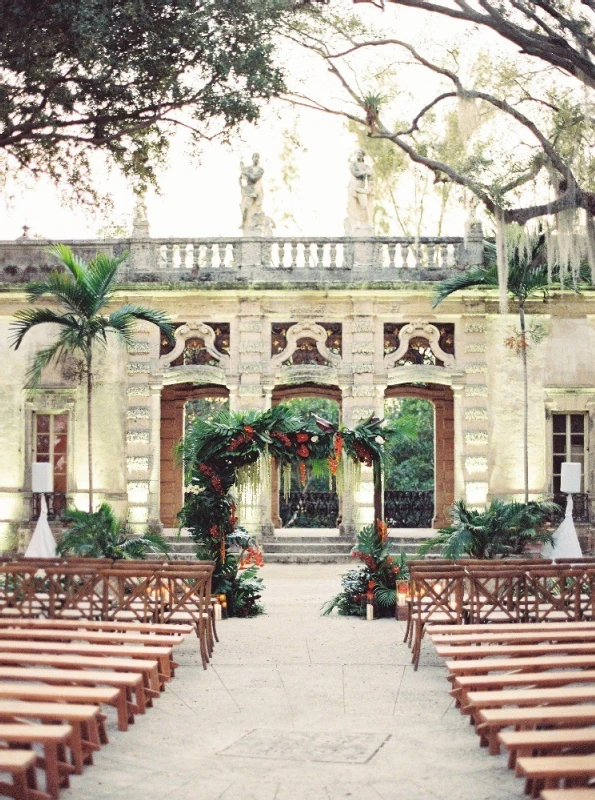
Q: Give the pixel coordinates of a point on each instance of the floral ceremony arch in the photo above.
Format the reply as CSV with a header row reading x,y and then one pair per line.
x,y
226,460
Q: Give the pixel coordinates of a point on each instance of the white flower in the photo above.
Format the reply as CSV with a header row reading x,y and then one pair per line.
x,y
379,440
194,489
314,438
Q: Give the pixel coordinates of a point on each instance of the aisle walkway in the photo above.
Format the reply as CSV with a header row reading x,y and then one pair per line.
x,y
300,707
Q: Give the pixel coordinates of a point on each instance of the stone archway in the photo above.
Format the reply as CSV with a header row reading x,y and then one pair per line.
x,y
173,400
292,392
442,398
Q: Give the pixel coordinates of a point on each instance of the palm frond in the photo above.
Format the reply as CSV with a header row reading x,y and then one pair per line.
x,y
67,258
73,295
123,320
100,278
471,279
41,360
28,318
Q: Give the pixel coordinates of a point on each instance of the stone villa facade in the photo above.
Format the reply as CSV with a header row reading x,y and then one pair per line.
x,y
261,319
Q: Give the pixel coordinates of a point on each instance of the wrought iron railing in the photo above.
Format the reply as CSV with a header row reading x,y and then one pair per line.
x,y
581,511
408,509
309,510
56,502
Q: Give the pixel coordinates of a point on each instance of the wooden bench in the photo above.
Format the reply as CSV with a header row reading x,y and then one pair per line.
x,y
469,683
492,720
163,655
85,695
532,743
54,740
484,665
96,625
148,669
515,651
126,683
555,771
556,696
20,765
88,728
93,637
498,627
514,637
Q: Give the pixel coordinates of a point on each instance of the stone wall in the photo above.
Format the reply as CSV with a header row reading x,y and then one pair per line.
x,y
484,376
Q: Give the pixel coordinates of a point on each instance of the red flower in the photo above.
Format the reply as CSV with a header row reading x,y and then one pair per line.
x,y
333,465
214,531
371,584
237,441
302,437
303,451
249,431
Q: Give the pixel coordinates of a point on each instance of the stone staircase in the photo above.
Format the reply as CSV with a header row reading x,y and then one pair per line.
x,y
302,546
308,546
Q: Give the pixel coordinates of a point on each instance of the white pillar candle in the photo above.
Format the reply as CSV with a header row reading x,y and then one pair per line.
x,y
217,607
369,611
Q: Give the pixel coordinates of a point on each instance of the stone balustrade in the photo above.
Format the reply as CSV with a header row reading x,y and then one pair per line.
x,y
260,259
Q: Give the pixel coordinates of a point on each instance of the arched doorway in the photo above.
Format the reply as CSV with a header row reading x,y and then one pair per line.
x,y
179,403
431,509
315,504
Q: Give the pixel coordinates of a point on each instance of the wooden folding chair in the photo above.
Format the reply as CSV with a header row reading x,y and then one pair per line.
x,y
550,594
495,594
132,594
187,598
437,599
24,590
76,592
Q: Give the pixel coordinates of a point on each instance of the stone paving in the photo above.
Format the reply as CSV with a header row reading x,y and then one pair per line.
x,y
300,707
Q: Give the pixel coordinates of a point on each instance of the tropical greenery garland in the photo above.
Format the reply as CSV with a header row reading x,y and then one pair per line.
x,y
228,458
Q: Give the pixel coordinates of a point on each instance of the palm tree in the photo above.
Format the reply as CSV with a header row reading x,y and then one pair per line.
x,y
528,275
82,291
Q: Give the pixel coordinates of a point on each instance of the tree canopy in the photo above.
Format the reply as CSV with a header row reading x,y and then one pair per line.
x,y
117,76
523,118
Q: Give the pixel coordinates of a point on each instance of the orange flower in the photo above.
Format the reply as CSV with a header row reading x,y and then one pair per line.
x,y
338,445
333,465
302,437
303,451
382,529
303,475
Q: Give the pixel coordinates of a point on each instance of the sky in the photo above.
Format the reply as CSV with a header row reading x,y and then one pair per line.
x,y
200,197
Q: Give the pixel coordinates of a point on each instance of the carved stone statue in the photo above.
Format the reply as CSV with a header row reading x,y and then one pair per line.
x,y
140,223
360,197
254,220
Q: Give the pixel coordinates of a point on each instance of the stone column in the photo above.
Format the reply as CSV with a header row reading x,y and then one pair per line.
x,y
362,399
474,411
142,434
250,395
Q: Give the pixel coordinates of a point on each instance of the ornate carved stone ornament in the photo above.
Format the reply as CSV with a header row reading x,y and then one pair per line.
x,y
305,331
419,330
199,331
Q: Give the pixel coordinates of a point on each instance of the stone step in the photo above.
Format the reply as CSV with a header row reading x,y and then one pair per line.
x,y
312,547
306,558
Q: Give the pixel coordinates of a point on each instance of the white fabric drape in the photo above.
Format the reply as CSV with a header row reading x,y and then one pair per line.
x,y
566,543
42,544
